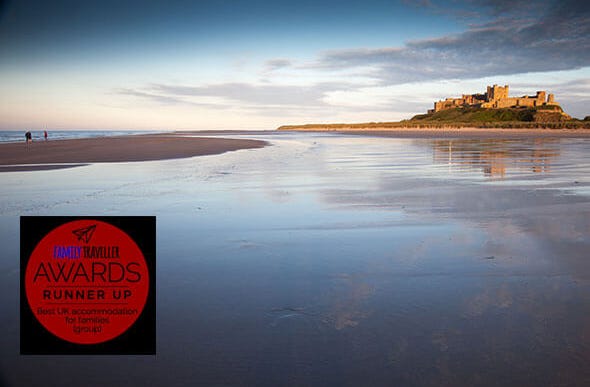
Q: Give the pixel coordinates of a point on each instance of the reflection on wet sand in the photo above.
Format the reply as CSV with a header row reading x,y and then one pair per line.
x,y
339,260
495,156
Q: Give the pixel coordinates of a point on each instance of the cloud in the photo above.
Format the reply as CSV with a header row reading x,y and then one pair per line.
x,y
500,7
164,99
509,42
504,38
277,64
320,102
255,94
579,87
160,99
267,99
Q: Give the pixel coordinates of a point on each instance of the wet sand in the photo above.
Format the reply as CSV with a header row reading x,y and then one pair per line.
x,y
330,259
42,155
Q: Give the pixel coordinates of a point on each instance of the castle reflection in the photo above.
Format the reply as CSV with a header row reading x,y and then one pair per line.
x,y
496,156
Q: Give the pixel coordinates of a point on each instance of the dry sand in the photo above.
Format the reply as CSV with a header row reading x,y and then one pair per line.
x,y
41,155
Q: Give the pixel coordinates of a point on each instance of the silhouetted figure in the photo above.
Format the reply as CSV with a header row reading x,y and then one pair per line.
x,y
28,137
45,135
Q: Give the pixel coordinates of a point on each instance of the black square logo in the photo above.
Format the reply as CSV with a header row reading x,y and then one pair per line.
x,y
88,285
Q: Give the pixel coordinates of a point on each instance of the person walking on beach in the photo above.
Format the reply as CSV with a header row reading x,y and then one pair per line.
x,y
28,137
45,135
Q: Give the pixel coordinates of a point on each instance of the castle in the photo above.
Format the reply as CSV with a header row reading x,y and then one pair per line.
x,y
496,97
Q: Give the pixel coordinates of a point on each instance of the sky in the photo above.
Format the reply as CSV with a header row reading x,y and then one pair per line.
x,y
231,64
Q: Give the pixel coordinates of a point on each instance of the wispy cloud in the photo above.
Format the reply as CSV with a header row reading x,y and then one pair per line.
x,y
253,94
277,64
244,94
316,100
164,99
160,99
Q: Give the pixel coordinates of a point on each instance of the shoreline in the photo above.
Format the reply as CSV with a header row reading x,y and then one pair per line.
x,y
463,132
57,154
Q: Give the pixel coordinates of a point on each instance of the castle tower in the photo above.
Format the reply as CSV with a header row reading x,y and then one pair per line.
x,y
550,99
505,91
496,92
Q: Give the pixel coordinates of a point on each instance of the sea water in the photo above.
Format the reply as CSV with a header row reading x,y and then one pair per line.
x,y
19,135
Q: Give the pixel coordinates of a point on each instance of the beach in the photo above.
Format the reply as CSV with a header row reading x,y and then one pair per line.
x,y
337,259
448,132
276,193
75,152
59,154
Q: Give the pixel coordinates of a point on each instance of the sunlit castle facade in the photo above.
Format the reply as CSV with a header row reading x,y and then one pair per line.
x,y
496,97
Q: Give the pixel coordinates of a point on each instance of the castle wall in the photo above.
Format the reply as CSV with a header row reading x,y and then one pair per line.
x,y
525,101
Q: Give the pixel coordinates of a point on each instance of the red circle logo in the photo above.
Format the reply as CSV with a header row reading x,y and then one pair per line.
x,y
87,282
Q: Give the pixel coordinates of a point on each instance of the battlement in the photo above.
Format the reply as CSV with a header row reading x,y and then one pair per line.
x,y
496,97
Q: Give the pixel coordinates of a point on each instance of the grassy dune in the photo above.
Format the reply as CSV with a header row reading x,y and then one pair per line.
x,y
525,118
